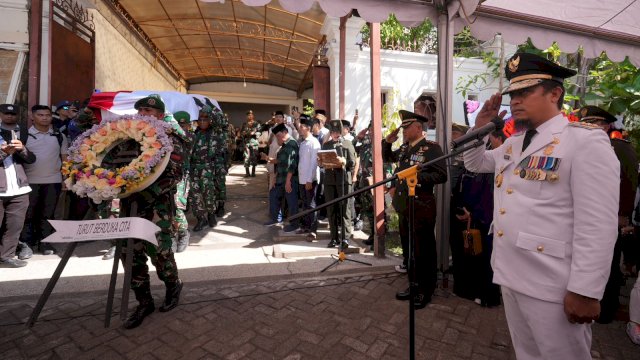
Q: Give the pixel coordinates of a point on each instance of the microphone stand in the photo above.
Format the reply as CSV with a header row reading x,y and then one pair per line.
x,y
410,175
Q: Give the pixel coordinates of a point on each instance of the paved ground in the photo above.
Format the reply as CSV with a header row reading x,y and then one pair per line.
x,y
241,303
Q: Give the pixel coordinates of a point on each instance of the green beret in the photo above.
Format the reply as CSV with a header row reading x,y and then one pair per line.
x,y
152,101
182,117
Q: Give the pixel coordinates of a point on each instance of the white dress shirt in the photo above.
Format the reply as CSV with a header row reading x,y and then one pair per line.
x,y
308,170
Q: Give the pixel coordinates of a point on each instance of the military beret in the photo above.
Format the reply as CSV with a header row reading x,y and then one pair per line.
x,y
524,70
459,128
335,126
306,120
279,113
593,113
182,117
8,109
278,128
409,118
153,101
345,123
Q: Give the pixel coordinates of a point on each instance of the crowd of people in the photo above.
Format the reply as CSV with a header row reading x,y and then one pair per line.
x,y
540,220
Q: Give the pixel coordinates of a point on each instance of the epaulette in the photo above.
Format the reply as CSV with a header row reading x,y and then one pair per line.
x,y
584,125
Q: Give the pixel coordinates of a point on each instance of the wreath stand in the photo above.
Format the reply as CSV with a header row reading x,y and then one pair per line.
x,y
130,209
410,175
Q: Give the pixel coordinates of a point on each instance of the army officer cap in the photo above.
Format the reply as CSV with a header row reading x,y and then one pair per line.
x,y
592,114
409,118
524,70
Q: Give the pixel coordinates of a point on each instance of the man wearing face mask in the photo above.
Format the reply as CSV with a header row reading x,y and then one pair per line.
x,y
555,213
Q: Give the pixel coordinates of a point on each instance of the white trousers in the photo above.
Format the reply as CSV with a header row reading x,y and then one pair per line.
x,y
540,330
634,303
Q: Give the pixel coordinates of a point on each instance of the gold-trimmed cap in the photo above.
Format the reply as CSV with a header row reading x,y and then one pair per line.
x,y
409,118
592,114
524,70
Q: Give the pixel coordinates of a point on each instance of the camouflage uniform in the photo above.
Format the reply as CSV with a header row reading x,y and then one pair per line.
x,y
365,170
203,186
220,127
182,190
247,133
157,199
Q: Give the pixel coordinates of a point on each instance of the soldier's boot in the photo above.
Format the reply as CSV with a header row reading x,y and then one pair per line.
x,y
212,221
220,209
202,223
172,296
183,240
145,308
333,243
246,169
253,171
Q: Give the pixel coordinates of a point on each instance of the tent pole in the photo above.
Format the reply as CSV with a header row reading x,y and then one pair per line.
x,y
443,133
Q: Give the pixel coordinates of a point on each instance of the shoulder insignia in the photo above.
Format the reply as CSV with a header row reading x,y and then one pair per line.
x,y
584,125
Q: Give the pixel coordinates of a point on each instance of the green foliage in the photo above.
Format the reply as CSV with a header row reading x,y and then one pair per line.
x,y
480,82
308,107
465,45
616,86
422,38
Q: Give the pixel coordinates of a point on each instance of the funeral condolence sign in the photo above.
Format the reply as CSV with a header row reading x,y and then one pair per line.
x,y
107,229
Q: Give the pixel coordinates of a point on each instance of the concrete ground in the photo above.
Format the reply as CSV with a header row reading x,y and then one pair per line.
x,y
239,301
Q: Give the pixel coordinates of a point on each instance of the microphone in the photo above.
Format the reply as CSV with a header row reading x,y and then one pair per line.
x,y
478,134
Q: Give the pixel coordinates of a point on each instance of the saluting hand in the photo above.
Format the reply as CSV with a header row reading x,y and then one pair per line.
x,y
391,138
490,110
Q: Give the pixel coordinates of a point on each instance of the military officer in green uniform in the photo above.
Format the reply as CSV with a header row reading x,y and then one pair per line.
x,y
338,182
248,130
220,128
415,150
202,176
628,184
182,194
157,199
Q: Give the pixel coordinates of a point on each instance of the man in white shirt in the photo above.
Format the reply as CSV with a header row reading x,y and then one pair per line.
x,y
50,148
308,175
14,187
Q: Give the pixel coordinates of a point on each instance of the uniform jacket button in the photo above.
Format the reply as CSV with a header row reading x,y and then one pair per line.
x,y
540,248
509,191
502,211
500,233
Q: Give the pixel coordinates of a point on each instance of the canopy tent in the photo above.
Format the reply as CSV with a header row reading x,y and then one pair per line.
x,y
597,26
610,26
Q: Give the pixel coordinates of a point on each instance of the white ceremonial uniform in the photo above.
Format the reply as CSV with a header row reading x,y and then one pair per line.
x,y
555,225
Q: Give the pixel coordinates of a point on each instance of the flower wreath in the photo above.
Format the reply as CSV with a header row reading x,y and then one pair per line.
x,y
83,170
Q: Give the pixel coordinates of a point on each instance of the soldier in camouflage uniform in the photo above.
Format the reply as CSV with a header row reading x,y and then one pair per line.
x,y
248,131
158,200
202,163
220,128
365,178
251,152
180,244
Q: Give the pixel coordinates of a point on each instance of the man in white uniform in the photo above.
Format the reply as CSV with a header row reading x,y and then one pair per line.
x,y
555,213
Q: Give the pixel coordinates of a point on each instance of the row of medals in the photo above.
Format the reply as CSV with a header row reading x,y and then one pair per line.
x,y
536,169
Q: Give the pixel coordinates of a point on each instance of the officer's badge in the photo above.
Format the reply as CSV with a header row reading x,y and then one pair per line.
x,y
499,179
513,64
548,150
10,108
584,112
555,141
151,102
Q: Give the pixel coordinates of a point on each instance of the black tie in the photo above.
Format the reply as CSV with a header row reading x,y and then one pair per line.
x,y
527,138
